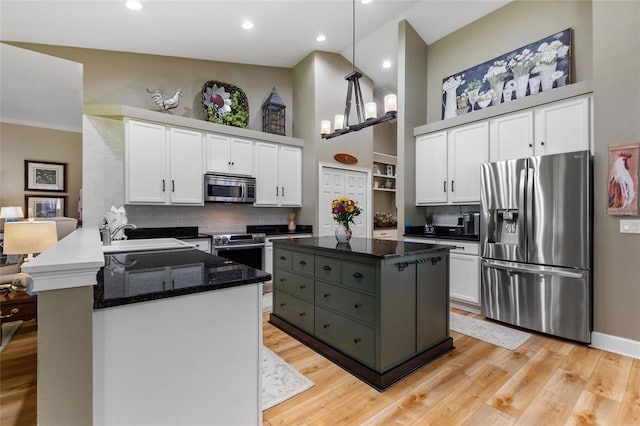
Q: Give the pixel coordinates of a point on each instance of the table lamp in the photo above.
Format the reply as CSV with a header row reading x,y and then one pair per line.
x,y
11,213
29,237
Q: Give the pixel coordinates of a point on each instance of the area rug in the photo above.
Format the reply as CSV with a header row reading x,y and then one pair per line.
x,y
495,334
8,330
280,381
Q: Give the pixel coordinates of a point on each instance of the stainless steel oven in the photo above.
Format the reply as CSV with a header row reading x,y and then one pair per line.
x,y
242,248
229,189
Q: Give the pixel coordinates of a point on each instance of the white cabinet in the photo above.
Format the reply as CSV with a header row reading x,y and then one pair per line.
x,y
464,272
278,171
385,234
562,126
163,165
229,155
202,244
448,164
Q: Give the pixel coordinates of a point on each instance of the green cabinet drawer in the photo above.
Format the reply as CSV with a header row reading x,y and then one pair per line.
x,y
351,303
296,311
294,284
346,335
303,263
360,276
328,269
283,259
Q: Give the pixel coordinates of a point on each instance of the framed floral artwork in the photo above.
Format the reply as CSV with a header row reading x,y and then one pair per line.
x,y
531,69
623,179
41,176
39,206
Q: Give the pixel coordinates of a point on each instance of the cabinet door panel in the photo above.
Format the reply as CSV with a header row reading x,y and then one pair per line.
x,y
468,149
563,127
186,185
512,136
431,168
290,176
432,303
266,171
218,153
145,163
465,278
241,157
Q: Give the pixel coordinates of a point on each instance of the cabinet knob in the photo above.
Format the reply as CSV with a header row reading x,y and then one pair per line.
x,y
530,145
283,258
326,268
357,305
282,280
282,305
173,185
283,191
444,186
452,186
356,340
541,142
162,185
302,262
326,295
302,314
325,325
302,287
357,275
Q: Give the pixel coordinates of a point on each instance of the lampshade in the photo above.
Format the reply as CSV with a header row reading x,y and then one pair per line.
x,y
11,212
29,237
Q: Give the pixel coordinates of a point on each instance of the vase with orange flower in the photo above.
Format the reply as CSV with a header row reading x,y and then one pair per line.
x,y
344,210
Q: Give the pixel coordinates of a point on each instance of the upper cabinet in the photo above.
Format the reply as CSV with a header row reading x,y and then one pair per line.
x,y
562,126
163,165
278,171
448,164
229,155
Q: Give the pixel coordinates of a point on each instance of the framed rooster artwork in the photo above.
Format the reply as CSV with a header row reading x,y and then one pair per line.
x,y
623,179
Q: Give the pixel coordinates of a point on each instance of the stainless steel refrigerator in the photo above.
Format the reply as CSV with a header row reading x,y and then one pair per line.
x,y
536,243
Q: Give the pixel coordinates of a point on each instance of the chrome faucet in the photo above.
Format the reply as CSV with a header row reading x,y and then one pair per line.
x,y
106,234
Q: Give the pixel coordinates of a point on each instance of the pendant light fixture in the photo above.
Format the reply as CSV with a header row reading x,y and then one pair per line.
x,y
365,113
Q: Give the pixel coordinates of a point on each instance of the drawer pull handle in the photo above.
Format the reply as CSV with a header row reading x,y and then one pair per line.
x,y
356,340
402,266
302,287
302,262
283,258
282,280
357,275
326,268
326,325
12,312
357,305
435,260
282,305
303,314
326,295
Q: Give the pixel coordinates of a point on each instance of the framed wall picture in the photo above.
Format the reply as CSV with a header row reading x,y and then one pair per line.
x,y
623,179
39,206
41,176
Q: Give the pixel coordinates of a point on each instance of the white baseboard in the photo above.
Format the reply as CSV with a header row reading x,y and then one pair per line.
x,y
615,344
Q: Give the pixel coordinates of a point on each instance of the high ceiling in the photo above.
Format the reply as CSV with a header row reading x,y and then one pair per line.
x,y
285,31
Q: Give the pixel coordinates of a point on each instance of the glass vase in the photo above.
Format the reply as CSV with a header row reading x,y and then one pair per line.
x,y
343,234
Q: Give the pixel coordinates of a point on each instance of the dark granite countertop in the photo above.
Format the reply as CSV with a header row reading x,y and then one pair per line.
x,y
380,249
279,229
441,233
135,277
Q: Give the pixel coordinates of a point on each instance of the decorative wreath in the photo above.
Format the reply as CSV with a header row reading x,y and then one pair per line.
x,y
225,103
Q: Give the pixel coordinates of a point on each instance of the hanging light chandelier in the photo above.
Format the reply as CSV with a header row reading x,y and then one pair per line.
x,y
370,117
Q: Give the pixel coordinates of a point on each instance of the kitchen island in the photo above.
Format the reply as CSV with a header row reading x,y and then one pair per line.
x,y
177,337
377,308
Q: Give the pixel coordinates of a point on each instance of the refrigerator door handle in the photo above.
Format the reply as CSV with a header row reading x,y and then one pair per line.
x,y
515,268
522,213
529,197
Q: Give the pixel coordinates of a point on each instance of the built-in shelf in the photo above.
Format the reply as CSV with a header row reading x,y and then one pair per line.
x,y
384,189
383,176
379,157
119,112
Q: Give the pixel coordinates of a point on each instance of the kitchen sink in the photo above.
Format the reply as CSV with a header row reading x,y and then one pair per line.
x,y
119,246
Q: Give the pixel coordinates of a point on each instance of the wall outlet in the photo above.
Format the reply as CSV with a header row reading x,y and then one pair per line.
x,y
628,226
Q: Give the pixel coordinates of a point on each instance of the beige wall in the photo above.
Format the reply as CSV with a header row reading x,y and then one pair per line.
x,y
508,28
616,64
122,78
19,143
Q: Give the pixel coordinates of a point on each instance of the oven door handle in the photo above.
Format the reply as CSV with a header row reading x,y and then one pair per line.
x,y
238,246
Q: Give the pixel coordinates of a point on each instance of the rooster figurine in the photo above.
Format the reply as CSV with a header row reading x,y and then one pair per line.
x,y
621,189
160,98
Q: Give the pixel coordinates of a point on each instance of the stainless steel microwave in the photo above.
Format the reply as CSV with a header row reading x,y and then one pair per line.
x,y
229,189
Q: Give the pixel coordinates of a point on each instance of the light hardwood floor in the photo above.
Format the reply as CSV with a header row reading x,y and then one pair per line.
x,y
546,381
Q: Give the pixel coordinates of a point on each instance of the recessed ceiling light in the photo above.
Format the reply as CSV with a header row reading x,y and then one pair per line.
x,y
366,1
133,5
321,37
247,25
386,64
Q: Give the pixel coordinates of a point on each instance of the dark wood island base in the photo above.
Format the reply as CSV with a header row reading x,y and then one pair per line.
x,y
379,381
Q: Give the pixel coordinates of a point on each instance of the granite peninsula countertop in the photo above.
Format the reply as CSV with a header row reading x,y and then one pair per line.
x,y
374,248
135,277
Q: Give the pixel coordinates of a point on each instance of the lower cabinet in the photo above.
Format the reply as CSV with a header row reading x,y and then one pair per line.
x,y
382,314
